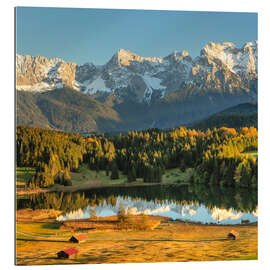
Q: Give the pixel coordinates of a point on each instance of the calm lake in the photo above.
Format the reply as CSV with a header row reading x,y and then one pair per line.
x,y
197,203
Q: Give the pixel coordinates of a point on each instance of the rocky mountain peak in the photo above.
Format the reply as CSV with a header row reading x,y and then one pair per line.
x,y
40,73
221,66
213,49
125,58
184,53
241,61
176,56
253,44
251,48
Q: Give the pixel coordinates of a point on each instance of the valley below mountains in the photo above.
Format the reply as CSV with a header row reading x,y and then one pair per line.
x,y
132,92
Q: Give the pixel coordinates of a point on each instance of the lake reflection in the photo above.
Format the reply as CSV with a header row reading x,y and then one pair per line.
x,y
189,212
196,203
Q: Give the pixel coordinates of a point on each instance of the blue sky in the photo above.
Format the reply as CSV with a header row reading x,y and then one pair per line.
x,y
94,35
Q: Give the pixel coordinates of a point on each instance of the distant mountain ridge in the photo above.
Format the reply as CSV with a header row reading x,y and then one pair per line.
x,y
242,115
143,92
219,66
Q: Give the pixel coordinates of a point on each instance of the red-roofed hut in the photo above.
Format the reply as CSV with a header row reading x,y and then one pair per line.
x,y
233,235
78,238
67,253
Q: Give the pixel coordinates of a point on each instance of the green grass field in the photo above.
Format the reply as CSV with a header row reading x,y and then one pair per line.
x,y
176,176
252,153
23,174
85,174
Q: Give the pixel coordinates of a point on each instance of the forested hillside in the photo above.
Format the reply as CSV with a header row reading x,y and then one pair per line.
x,y
216,157
242,115
65,110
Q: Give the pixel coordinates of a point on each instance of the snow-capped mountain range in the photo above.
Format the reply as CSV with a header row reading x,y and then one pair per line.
x,y
220,68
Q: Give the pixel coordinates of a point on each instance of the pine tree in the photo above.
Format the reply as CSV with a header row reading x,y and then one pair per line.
x,y
182,165
132,175
114,172
107,170
66,178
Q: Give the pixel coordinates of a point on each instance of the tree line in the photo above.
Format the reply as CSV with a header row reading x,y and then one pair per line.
x,y
53,154
215,155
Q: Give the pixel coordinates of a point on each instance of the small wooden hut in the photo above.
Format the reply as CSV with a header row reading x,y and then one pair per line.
x,y
78,238
233,235
67,253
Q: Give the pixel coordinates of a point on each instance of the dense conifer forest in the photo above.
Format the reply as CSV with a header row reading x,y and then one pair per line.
x,y
216,156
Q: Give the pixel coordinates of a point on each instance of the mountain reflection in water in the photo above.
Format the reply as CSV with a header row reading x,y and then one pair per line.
x,y
196,203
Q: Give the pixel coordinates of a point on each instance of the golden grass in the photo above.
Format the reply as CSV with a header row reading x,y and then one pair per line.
x,y
20,184
29,215
120,246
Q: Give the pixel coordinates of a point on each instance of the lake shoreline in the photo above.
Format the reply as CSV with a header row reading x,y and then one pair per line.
x,y
86,179
49,215
91,185
164,219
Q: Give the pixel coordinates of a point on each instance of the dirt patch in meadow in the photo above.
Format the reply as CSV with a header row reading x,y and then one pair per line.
x,y
130,223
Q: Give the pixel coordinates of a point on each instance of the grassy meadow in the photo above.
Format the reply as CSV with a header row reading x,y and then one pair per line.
x,y
139,159
23,174
251,153
84,174
38,242
85,178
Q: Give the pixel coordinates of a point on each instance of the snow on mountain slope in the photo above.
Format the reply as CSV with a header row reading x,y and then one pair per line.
x,y
223,67
152,84
40,87
236,59
42,74
95,86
